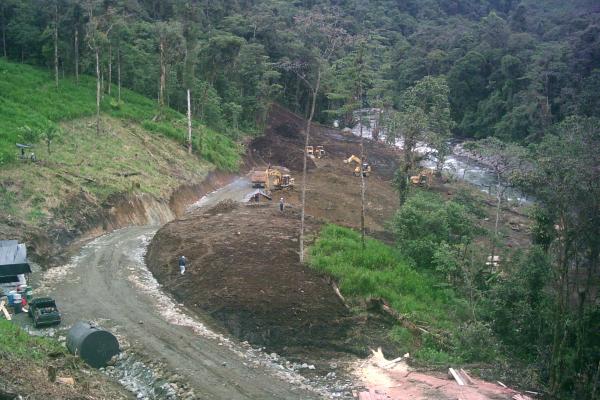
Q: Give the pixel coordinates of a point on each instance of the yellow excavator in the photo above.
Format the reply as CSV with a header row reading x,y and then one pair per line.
x,y
424,178
366,167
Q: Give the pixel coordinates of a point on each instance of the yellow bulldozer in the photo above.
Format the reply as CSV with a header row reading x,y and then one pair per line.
x,y
365,166
424,178
315,151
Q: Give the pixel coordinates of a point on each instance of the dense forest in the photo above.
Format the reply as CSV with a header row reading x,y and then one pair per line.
x,y
523,76
513,68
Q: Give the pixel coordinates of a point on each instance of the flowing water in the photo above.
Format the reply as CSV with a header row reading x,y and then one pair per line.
x,y
457,165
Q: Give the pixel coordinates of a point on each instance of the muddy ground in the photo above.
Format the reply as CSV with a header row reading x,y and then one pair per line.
x,y
333,192
243,270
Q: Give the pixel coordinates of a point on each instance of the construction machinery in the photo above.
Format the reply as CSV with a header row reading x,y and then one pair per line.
x,y
424,178
315,151
365,166
262,179
319,152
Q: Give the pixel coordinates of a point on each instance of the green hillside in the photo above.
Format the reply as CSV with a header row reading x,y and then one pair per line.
x,y
29,98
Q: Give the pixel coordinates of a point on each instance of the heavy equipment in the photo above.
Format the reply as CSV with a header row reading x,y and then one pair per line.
x,y
366,167
315,151
320,152
262,179
424,178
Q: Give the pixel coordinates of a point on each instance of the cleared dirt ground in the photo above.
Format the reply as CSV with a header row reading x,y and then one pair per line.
x,y
333,192
243,269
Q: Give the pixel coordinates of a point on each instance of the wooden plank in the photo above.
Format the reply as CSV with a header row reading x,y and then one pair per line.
x,y
456,377
393,362
5,311
466,377
501,384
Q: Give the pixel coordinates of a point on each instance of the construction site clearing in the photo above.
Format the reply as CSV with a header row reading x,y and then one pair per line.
x,y
244,270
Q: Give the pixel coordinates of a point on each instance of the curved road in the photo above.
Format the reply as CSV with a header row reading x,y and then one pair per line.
x,y
108,282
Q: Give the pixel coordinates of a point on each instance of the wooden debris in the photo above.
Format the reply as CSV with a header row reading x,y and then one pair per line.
x,y
65,380
456,376
5,311
520,396
501,384
466,377
392,363
337,292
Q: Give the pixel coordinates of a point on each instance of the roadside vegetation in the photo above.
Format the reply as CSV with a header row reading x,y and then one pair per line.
x,y
29,364
16,344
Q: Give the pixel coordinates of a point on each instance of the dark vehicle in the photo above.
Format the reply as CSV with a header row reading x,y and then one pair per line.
x,y
43,310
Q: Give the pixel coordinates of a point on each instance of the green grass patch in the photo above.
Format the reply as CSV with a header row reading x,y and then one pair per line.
x,y
28,97
17,344
379,271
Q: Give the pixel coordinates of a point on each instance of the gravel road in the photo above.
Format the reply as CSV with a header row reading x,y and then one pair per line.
x,y
108,282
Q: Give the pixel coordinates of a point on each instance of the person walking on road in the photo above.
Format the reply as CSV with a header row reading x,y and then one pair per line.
x,y
182,264
281,204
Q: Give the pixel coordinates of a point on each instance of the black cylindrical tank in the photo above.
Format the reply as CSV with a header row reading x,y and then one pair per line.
x,y
94,345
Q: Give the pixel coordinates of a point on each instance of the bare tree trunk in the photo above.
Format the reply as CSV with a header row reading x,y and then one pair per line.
x,y
109,66
119,71
97,51
163,78
362,184
3,32
189,116
77,55
56,43
499,194
308,125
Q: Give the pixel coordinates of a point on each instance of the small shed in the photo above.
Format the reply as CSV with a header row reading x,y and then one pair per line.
x,y
13,262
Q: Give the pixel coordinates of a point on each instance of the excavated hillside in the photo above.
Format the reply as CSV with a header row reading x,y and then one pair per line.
x,y
243,259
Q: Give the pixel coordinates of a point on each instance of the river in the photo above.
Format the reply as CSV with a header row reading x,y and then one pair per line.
x,y
458,165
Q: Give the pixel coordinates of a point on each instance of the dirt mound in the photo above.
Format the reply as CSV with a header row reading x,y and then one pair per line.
x,y
222,207
244,271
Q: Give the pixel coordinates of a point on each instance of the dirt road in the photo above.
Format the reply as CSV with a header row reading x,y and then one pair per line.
x,y
108,282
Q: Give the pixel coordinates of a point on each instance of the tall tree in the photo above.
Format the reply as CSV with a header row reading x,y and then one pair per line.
x,y
565,178
323,35
424,117
96,36
508,163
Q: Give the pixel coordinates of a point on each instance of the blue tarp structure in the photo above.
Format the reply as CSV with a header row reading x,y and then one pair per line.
x,y
13,261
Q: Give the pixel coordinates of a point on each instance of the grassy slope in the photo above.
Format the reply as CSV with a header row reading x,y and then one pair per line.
x,y
24,360
379,272
28,97
82,161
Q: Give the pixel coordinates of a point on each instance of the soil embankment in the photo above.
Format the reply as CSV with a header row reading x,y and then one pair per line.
x,y
243,270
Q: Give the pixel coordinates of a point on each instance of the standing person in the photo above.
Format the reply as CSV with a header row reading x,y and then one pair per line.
x,y
182,264
281,204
